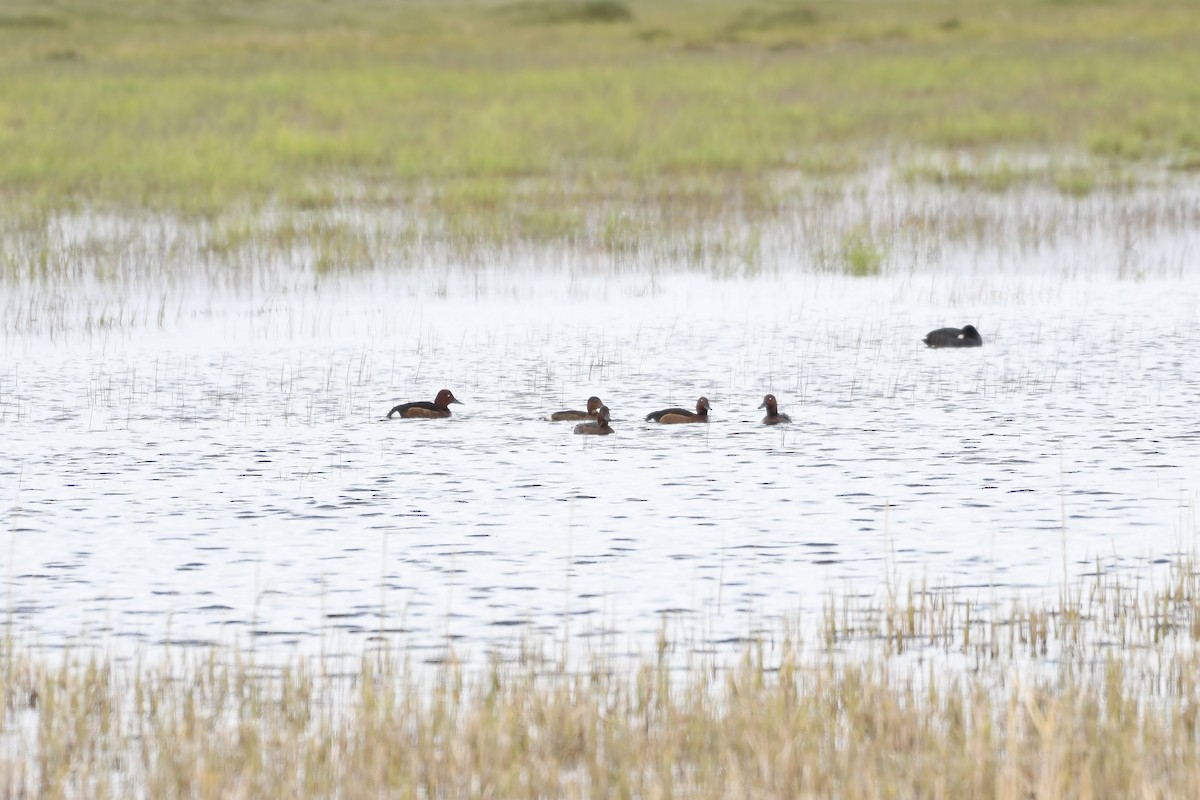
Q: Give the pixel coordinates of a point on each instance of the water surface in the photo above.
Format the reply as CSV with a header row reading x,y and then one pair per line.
x,y
227,476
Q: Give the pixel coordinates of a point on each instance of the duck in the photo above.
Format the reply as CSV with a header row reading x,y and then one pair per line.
x,y
965,336
593,406
438,409
598,428
673,416
773,416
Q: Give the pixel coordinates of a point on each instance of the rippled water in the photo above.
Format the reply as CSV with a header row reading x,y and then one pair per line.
x,y
229,477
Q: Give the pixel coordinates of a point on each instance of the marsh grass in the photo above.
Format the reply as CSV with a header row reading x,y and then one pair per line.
x,y
207,109
921,692
860,256
839,224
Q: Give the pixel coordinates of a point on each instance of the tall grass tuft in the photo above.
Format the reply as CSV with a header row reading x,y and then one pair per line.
x,y
860,256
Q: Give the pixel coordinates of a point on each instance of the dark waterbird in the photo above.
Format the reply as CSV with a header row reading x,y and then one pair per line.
x,y
439,408
598,428
965,336
593,406
674,416
773,416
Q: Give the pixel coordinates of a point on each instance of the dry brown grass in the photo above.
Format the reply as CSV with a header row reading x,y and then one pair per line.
x,y
920,695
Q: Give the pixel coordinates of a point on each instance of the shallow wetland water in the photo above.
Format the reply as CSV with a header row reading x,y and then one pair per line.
x,y
223,473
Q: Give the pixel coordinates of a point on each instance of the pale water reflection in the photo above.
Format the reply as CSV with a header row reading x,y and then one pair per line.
x,y
230,477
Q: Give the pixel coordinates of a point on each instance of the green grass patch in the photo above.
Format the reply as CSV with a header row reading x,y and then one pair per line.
x,y
198,107
30,20
558,12
861,256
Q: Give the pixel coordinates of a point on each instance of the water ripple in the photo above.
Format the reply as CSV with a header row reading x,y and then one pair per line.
x,y
214,501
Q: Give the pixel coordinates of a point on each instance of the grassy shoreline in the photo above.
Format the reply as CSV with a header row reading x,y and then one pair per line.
x,y
921,693
876,223
370,135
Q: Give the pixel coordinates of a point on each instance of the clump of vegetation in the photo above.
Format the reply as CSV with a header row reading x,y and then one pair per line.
x,y
764,19
605,11
861,256
565,11
31,20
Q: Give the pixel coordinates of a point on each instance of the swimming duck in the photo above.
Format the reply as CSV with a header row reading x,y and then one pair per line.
x,y
966,336
593,405
440,407
598,428
673,416
773,416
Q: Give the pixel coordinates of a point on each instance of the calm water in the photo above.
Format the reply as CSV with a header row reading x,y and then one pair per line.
x,y
227,475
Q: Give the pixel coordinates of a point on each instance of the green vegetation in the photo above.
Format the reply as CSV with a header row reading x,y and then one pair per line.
x,y
561,104
566,11
860,256
1040,704
345,136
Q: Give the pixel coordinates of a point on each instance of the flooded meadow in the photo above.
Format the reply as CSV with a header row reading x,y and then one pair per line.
x,y
201,457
